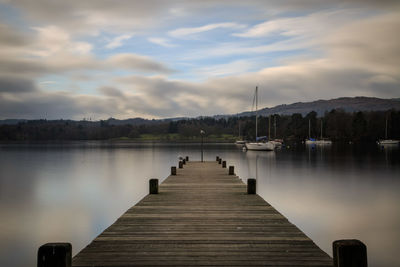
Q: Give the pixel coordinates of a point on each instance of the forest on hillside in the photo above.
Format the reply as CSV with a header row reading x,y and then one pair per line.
x,y
338,125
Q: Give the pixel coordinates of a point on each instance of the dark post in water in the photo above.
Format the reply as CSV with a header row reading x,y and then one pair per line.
x,y
217,158
231,170
187,158
251,186
349,253
153,186
183,161
202,134
219,161
173,170
54,254
180,164
224,164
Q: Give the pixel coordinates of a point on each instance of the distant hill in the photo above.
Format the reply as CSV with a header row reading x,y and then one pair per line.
x,y
348,104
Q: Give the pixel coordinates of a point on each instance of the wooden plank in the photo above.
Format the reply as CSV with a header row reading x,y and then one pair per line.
x,y
202,217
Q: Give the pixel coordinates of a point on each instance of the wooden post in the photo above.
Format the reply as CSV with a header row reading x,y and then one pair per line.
x,y
349,253
224,164
231,170
180,164
153,186
217,158
187,158
183,161
251,186
219,161
54,255
173,170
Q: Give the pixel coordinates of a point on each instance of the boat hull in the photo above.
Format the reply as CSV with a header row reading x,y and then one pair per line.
x,y
388,142
268,146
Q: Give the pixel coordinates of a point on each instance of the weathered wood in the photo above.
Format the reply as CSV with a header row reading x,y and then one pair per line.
x,y
349,253
54,255
153,186
173,170
202,217
251,186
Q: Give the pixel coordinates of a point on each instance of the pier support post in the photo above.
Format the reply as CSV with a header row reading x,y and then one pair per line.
x,y
180,164
187,158
54,254
173,170
349,253
251,186
183,161
231,170
153,186
224,164
219,161
217,158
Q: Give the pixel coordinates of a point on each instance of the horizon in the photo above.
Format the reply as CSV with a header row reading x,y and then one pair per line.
x,y
158,60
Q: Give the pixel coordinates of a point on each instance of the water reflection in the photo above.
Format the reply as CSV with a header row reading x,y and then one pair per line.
x,y
72,192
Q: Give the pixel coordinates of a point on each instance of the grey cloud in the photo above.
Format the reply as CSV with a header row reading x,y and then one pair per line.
x,y
110,91
10,37
16,85
137,62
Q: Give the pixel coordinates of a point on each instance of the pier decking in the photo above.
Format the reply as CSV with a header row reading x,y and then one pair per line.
x,y
203,217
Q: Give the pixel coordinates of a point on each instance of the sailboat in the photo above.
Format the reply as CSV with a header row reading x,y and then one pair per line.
x,y
277,142
387,141
264,146
310,140
323,141
240,141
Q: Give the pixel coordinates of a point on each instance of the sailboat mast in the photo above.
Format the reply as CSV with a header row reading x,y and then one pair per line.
x,y
321,129
275,126
256,111
269,128
386,128
309,129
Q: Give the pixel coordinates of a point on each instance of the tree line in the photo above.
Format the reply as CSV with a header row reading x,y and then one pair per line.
x,y
337,125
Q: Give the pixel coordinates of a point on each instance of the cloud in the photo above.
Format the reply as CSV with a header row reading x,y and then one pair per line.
x,y
137,62
117,41
15,85
161,41
110,91
182,32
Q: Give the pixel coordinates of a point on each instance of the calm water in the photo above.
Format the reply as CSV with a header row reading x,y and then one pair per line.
x,y
72,192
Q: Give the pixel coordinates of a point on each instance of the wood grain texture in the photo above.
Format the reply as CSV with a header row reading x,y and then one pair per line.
x,y
202,216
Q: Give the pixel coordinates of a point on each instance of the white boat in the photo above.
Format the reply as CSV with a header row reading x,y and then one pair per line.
x,y
387,141
264,146
321,141
240,142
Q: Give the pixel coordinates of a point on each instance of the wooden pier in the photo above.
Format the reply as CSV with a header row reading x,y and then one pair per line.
x,y
202,216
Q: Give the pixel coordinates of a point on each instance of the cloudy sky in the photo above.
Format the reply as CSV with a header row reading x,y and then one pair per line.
x,y
156,59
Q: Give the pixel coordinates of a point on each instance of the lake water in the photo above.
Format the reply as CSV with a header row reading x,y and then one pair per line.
x,y
71,192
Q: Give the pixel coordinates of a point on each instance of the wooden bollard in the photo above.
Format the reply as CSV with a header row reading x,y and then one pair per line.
x,y
217,158
153,186
54,254
349,253
183,161
180,164
224,164
251,186
231,170
187,158
219,161
173,170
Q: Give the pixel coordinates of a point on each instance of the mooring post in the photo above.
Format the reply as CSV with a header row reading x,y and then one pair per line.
x,y
217,158
251,186
231,170
183,161
224,164
54,254
173,170
153,186
180,164
187,158
219,161
349,253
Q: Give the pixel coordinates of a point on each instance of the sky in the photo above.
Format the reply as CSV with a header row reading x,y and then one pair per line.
x,y
95,59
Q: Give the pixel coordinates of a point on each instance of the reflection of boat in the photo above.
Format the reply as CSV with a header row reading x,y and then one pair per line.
x,y
387,141
266,146
240,141
310,140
